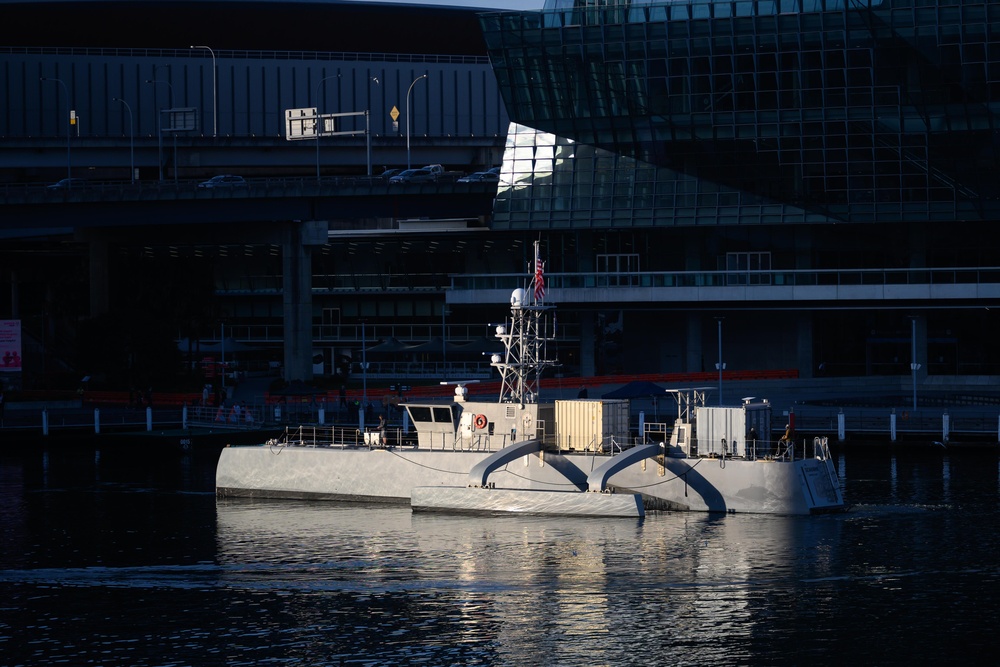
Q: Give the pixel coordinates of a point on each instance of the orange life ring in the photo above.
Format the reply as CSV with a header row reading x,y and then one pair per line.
x,y
480,421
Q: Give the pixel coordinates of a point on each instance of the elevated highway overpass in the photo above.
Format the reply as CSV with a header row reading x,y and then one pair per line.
x,y
347,202
295,214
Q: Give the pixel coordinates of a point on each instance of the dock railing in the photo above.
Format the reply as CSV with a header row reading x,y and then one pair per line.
x,y
932,424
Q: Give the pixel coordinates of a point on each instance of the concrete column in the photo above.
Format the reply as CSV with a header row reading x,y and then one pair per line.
x,y
297,246
694,361
98,267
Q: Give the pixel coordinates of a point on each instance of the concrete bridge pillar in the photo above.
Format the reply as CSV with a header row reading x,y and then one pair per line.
x,y
300,239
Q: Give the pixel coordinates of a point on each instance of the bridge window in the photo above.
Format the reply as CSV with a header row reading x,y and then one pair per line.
x,y
443,415
419,413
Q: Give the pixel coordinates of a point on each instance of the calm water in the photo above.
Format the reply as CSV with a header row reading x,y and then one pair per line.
x,y
108,561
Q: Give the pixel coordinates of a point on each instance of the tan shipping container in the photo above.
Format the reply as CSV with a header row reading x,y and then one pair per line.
x,y
592,425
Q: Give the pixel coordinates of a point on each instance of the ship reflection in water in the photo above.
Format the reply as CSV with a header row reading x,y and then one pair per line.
x,y
673,588
667,589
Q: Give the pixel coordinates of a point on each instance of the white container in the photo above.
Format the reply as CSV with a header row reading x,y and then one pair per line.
x,y
723,431
720,430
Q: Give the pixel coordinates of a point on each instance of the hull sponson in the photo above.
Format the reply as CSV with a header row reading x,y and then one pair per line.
x,y
709,485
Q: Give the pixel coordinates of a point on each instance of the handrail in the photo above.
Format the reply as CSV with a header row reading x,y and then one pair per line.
x,y
247,54
944,275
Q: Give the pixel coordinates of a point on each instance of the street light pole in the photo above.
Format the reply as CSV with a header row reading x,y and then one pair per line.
x,y
69,157
914,366
368,139
159,124
444,342
368,124
720,364
408,90
319,121
222,343
364,369
215,104
131,138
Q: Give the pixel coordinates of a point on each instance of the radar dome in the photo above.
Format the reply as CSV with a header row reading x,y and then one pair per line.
x,y
517,297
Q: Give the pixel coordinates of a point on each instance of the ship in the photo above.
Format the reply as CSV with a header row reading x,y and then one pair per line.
x,y
522,454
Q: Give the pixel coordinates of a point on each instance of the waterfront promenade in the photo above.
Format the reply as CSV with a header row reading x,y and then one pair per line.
x,y
956,411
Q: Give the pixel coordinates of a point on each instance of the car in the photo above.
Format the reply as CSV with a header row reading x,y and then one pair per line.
x,y
389,173
414,176
69,184
224,181
480,177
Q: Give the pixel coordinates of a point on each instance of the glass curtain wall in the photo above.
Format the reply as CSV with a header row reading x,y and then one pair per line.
x,y
783,111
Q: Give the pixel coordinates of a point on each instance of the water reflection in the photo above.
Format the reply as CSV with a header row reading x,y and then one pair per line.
x,y
103,562
523,582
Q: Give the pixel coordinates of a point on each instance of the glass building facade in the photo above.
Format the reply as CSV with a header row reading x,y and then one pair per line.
x,y
749,138
748,111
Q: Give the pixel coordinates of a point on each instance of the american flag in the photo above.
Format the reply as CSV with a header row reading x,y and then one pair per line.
x,y
539,280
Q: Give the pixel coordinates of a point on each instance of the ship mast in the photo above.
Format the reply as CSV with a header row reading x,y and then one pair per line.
x,y
525,337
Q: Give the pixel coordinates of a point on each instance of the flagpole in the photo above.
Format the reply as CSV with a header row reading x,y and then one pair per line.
x,y
538,284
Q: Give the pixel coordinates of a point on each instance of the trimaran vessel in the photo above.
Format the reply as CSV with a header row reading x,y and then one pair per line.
x,y
575,457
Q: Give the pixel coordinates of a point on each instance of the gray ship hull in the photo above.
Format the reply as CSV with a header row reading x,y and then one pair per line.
x,y
389,475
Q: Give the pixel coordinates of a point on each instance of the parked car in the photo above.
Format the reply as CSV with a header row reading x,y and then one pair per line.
x,y
389,173
414,176
480,177
224,181
442,175
69,183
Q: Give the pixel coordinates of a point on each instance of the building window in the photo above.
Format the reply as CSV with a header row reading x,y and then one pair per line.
x,y
748,268
620,270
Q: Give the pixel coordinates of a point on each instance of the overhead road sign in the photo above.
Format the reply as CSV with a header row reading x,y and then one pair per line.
x,y
304,124
181,120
